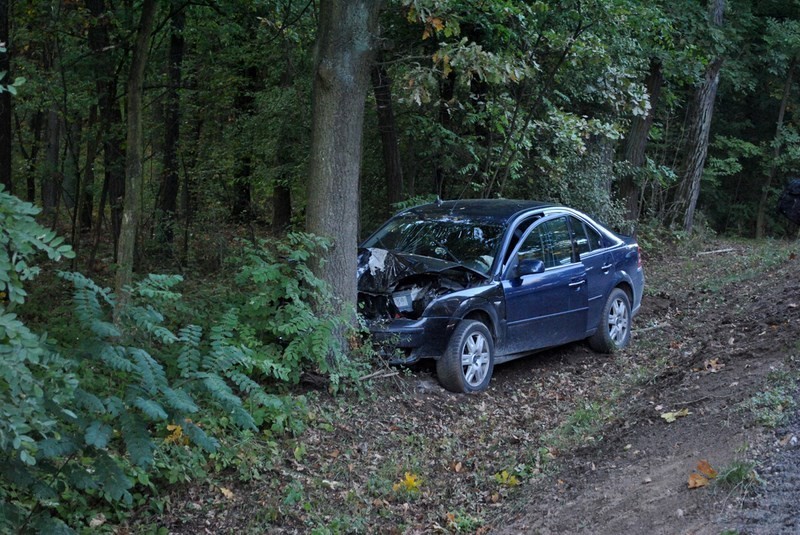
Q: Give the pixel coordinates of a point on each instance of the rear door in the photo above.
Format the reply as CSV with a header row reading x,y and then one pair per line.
x,y
549,308
599,263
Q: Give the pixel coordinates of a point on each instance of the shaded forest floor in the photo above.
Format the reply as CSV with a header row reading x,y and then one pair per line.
x,y
565,441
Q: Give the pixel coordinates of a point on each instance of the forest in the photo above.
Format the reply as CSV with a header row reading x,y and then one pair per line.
x,y
183,184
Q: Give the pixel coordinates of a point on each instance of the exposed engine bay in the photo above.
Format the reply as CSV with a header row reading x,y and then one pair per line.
x,y
392,285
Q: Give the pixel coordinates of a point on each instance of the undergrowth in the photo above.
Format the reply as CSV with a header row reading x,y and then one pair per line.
x,y
91,424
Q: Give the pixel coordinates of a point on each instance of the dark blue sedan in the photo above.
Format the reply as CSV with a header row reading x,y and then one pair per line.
x,y
474,283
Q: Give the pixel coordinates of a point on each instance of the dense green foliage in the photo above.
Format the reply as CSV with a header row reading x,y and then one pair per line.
x,y
533,100
123,402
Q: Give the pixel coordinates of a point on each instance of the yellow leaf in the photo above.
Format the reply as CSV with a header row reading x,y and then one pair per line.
x,y
409,483
446,69
705,468
672,416
437,23
228,493
696,481
425,34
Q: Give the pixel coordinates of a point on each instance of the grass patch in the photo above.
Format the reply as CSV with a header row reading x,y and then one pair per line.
x,y
739,475
772,408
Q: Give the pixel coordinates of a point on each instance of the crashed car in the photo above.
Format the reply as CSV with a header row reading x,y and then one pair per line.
x,y
474,283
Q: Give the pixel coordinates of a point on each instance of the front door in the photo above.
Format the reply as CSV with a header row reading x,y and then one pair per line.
x,y
549,308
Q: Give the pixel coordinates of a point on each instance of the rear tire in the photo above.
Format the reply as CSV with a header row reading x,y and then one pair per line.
x,y
614,331
468,362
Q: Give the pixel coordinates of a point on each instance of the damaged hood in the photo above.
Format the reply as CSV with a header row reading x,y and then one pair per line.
x,y
380,271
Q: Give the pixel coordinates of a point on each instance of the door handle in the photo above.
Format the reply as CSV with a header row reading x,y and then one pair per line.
x,y
575,284
606,267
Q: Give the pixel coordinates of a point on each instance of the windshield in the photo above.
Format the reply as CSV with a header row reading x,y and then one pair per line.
x,y
464,241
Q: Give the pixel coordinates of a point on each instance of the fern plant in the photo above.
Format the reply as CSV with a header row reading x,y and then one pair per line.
x,y
289,313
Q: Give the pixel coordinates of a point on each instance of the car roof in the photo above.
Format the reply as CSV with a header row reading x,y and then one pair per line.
x,y
490,210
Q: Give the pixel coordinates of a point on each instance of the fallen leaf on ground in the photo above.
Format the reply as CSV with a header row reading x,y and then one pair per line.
x,y
696,481
674,415
714,365
228,493
705,468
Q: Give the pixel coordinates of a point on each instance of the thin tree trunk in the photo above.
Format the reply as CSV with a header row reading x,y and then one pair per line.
x,y
284,158
168,192
242,202
110,117
447,88
5,101
30,164
636,144
86,196
343,54
387,126
699,129
133,160
51,181
776,152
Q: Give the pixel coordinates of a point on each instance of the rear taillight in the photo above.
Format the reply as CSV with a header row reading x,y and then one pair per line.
x,y
639,254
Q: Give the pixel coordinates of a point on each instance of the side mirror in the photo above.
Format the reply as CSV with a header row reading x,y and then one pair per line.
x,y
526,267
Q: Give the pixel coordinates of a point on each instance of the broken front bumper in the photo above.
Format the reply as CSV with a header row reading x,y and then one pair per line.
x,y
405,341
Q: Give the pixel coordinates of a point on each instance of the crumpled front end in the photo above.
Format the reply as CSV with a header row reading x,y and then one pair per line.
x,y
394,293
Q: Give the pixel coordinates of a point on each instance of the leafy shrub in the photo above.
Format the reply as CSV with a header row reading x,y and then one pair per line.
x,y
292,321
80,425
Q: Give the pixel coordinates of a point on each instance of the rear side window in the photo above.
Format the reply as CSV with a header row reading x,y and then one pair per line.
x,y
586,237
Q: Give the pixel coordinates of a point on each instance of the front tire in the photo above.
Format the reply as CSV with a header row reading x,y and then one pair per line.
x,y
468,362
614,331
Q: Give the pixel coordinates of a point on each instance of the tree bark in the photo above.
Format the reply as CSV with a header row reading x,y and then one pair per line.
x,y
31,157
636,144
5,101
242,202
776,152
168,191
387,126
51,182
698,133
133,160
110,118
343,54
284,158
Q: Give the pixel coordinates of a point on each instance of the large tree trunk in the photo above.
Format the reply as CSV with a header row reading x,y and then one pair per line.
x,y
342,59
636,144
133,160
168,191
776,152
5,101
698,132
387,126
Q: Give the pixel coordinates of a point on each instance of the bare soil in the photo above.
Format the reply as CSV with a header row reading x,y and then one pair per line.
x,y
564,441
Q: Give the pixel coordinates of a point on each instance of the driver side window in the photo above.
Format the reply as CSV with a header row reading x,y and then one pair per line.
x,y
549,242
